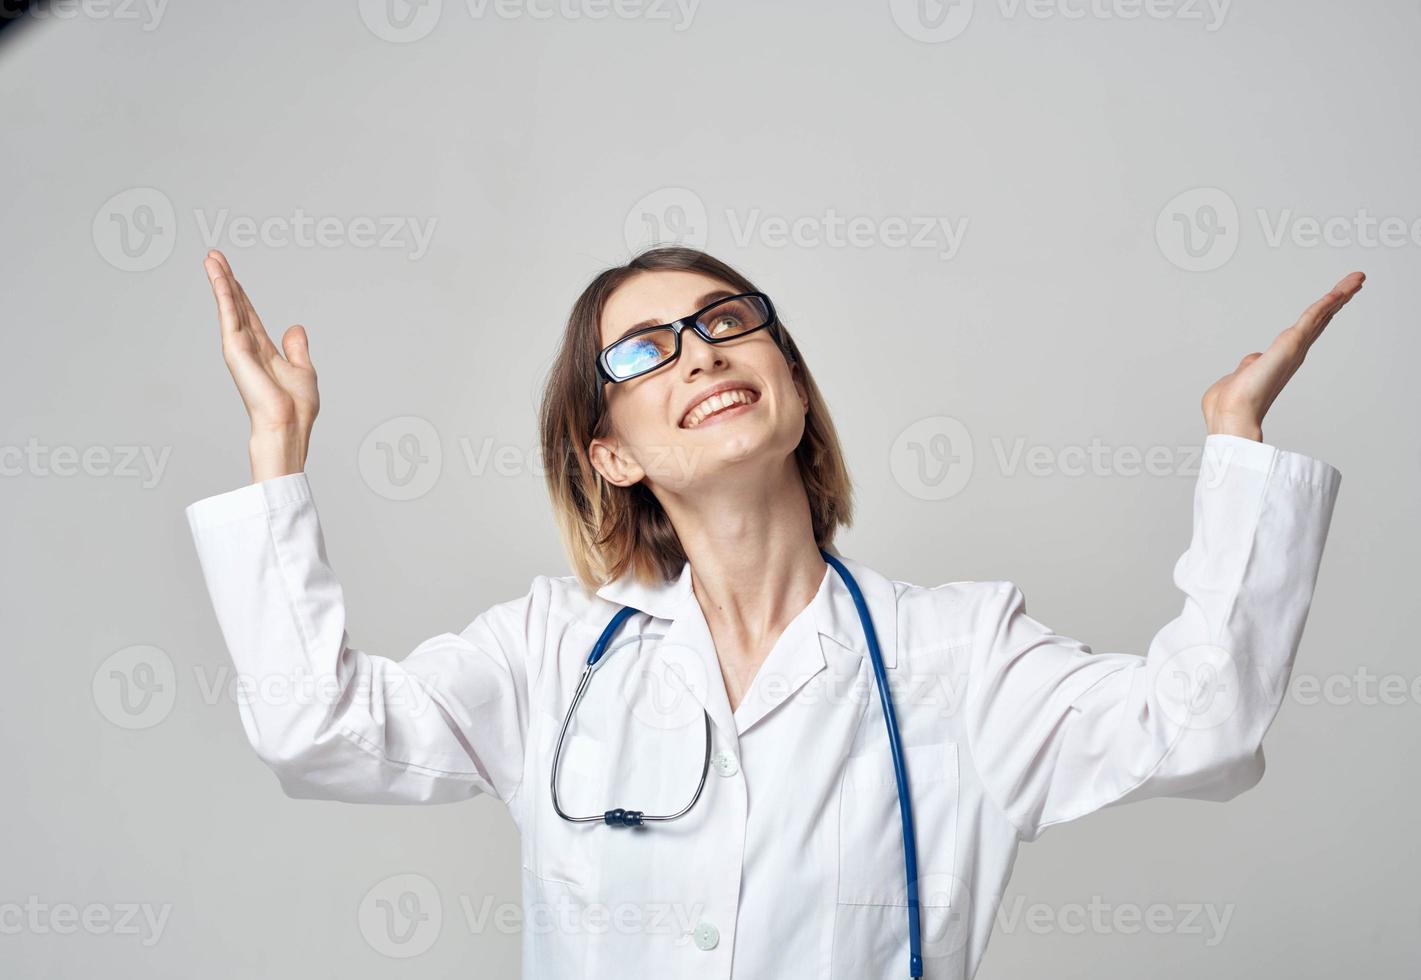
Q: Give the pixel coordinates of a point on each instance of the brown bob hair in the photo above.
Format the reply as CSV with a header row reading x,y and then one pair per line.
x,y
609,530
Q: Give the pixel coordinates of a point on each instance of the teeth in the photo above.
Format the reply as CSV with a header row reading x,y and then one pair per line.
x,y
738,396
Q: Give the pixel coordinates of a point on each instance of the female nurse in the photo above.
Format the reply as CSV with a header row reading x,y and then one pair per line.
x,y
698,488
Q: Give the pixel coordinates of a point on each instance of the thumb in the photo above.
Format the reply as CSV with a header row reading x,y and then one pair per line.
x,y
297,347
1248,359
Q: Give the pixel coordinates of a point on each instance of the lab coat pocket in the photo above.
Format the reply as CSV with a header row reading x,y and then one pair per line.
x,y
871,869
556,849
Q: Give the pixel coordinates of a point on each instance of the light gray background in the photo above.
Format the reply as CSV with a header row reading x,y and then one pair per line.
x,y
1062,318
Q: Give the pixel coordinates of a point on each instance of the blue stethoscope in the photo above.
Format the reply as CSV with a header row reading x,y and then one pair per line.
x,y
621,817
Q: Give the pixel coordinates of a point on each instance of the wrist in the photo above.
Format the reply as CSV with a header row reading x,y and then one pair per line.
x,y
276,452
1244,430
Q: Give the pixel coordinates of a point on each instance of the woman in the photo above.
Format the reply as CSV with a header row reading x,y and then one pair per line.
x,y
737,713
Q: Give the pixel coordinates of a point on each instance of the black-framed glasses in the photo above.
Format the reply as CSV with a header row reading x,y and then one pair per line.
x,y
649,348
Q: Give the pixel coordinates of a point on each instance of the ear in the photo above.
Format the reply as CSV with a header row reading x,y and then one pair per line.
x,y
797,376
616,467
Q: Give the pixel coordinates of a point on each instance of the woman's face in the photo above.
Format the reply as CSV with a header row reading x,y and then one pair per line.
x,y
655,432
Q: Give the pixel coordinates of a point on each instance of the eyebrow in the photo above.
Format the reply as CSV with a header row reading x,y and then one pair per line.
x,y
701,304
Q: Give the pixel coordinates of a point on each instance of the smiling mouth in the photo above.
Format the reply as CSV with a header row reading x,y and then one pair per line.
x,y
718,405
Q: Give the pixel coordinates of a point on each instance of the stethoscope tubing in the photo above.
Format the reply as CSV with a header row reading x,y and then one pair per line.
x,y
900,771
620,817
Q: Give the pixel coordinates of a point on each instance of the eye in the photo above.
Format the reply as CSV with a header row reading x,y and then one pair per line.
x,y
726,323
636,354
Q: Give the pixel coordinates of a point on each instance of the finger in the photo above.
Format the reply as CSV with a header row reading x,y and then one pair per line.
x,y
233,285
1317,316
221,259
250,321
229,317
297,347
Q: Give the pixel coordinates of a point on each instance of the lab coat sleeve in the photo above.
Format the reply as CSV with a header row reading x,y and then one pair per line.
x,y
446,722
1058,732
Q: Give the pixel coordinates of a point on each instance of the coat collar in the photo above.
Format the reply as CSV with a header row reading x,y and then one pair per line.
x,y
833,615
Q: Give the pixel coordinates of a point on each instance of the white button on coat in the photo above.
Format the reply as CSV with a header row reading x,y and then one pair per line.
x,y
724,763
1008,728
706,936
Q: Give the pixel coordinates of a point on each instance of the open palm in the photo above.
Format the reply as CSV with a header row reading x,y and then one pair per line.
x,y
1237,402
277,386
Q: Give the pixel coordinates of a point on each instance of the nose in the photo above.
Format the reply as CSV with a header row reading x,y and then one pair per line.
x,y
698,353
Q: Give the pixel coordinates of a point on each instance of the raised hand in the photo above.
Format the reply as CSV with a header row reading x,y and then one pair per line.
x,y
1237,402
278,387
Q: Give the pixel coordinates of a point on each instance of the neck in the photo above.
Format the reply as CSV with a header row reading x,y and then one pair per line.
x,y
755,564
